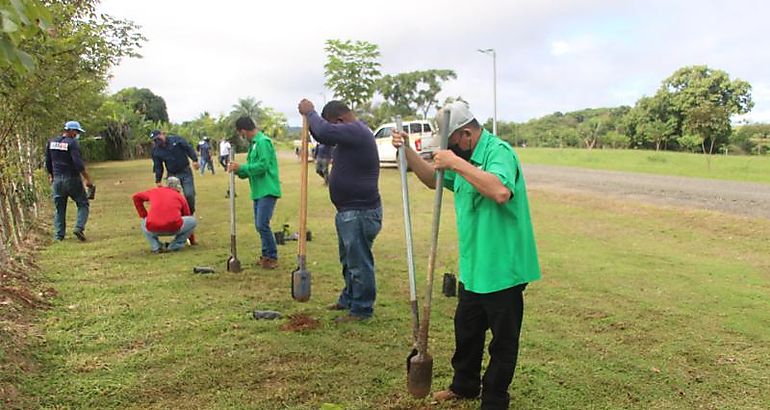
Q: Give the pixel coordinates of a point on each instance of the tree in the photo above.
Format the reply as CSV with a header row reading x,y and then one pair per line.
x,y
702,100
352,70
247,107
413,91
144,102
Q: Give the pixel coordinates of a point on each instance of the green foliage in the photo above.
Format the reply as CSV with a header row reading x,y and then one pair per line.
x,y
690,142
351,70
93,149
145,102
408,93
21,21
752,138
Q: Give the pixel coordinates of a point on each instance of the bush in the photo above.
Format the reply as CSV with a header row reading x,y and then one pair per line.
x,y
93,150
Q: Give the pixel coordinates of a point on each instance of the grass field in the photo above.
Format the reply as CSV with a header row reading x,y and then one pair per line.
x,y
639,307
731,167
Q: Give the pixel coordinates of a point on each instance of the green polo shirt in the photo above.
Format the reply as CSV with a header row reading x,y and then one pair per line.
x,y
496,241
261,168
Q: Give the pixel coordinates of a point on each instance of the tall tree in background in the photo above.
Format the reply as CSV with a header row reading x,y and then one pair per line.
x,y
351,70
415,91
144,102
701,100
247,107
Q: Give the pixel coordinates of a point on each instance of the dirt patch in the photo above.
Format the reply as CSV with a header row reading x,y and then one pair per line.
x,y
300,322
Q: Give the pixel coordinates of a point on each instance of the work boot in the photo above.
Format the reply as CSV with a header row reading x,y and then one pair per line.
x,y
268,263
80,235
446,395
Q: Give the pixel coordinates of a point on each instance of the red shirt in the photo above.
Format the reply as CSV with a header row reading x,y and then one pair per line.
x,y
167,207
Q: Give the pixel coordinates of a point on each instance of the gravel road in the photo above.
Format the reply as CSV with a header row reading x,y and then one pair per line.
x,y
739,198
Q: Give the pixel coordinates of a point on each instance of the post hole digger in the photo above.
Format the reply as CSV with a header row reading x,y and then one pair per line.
x,y
420,367
402,168
233,264
300,278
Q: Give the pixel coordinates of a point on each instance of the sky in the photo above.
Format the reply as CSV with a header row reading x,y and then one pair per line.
x,y
551,55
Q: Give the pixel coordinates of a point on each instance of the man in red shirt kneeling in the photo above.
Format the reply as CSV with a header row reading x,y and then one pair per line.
x,y
169,215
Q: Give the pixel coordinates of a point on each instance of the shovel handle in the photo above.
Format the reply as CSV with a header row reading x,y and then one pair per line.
x,y
402,168
303,190
422,342
232,207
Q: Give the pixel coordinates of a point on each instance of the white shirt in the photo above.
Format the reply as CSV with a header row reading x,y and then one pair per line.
x,y
224,148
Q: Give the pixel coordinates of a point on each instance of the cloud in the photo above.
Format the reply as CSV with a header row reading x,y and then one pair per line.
x,y
551,55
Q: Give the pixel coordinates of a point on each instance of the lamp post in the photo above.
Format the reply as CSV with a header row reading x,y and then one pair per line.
x,y
491,51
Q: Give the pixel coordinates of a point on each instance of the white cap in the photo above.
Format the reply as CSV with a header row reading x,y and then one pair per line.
x,y
459,115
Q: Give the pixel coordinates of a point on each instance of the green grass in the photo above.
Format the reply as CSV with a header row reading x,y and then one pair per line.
x,y
730,167
639,307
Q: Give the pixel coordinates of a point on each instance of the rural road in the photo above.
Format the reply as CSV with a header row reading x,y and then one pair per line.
x,y
739,198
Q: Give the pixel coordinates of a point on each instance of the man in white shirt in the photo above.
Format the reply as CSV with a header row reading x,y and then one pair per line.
x,y
224,153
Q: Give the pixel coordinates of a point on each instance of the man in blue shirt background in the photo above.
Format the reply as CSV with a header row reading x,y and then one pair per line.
x,y
204,149
173,152
65,167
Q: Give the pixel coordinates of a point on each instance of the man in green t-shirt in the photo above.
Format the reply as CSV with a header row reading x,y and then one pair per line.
x,y
498,256
261,168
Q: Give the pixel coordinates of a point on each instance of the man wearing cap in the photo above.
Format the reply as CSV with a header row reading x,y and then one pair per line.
x,y
261,168
169,215
353,188
65,167
173,152
204,149
498,256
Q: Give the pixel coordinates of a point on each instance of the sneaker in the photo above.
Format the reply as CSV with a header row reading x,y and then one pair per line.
x,y
349,319
80,235
268,263
446,395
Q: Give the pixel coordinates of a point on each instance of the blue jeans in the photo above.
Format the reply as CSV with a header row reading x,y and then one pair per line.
x,y
180,236
356,230
188,186
64,188
263,212
206,162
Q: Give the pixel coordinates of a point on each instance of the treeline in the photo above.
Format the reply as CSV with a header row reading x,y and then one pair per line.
x,y
53,67
121,126
691,111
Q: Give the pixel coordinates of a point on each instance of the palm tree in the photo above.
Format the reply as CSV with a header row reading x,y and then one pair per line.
x,y
247,107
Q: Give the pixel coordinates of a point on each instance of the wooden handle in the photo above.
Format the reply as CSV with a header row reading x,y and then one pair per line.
x,y
303,189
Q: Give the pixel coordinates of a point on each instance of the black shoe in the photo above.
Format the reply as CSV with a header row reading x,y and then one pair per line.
x,y
80,235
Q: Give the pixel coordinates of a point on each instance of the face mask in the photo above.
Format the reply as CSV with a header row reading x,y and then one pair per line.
x,y
462,153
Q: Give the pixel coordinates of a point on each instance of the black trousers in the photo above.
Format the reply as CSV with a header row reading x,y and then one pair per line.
x,y
501,312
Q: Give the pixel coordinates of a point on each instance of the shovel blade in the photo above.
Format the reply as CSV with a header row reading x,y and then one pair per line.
x,y
420,375
300,285
233,265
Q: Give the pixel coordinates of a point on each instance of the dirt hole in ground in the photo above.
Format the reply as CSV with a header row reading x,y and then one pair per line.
x,y
300,322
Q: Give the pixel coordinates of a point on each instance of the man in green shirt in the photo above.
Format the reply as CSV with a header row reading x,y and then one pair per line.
x,y
261,168
498,256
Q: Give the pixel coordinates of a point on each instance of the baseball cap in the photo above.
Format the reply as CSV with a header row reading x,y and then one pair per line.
x,y
73,125
154,134
459,115
175,183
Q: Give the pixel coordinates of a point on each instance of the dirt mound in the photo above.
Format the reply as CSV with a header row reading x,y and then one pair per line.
x,y
300,322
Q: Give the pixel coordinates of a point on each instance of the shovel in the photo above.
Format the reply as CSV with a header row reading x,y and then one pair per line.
x,y
300,278
233,264
402,168
420,373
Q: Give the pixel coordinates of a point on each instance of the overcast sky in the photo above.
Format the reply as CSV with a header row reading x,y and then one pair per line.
x,y
551,55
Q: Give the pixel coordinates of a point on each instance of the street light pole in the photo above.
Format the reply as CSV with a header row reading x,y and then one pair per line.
x,y
494,86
